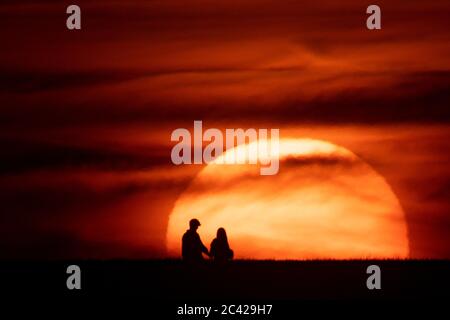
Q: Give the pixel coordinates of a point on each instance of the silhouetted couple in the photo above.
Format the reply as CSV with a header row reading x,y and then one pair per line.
x,y
193,248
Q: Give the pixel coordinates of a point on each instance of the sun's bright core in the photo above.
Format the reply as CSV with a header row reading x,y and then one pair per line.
x,y
325,202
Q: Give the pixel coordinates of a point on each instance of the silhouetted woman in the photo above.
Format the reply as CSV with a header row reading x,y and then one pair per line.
x,y
220,249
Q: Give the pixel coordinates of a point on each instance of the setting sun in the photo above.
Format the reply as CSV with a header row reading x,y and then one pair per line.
x,y
325,202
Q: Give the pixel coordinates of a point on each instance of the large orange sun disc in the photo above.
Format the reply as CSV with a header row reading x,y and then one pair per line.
x,y
325,202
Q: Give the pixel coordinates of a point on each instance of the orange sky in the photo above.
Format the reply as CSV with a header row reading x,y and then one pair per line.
x,y
86,116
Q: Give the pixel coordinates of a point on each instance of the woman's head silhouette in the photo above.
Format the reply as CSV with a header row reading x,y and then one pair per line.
x,y
222,235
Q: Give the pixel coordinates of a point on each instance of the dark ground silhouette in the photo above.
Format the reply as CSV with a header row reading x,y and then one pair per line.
x,y
255,280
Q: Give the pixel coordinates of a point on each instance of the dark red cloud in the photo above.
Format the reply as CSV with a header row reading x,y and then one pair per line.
x,y
86,116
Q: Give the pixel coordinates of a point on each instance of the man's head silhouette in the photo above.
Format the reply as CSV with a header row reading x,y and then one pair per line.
x,y
194,224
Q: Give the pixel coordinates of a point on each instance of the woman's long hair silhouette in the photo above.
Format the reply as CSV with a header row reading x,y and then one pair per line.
x,y
220,249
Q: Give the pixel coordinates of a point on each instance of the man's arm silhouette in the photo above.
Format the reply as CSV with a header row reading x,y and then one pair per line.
x,y
203,247
205,250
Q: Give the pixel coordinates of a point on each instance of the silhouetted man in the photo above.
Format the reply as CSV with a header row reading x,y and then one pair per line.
x,y
192,246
